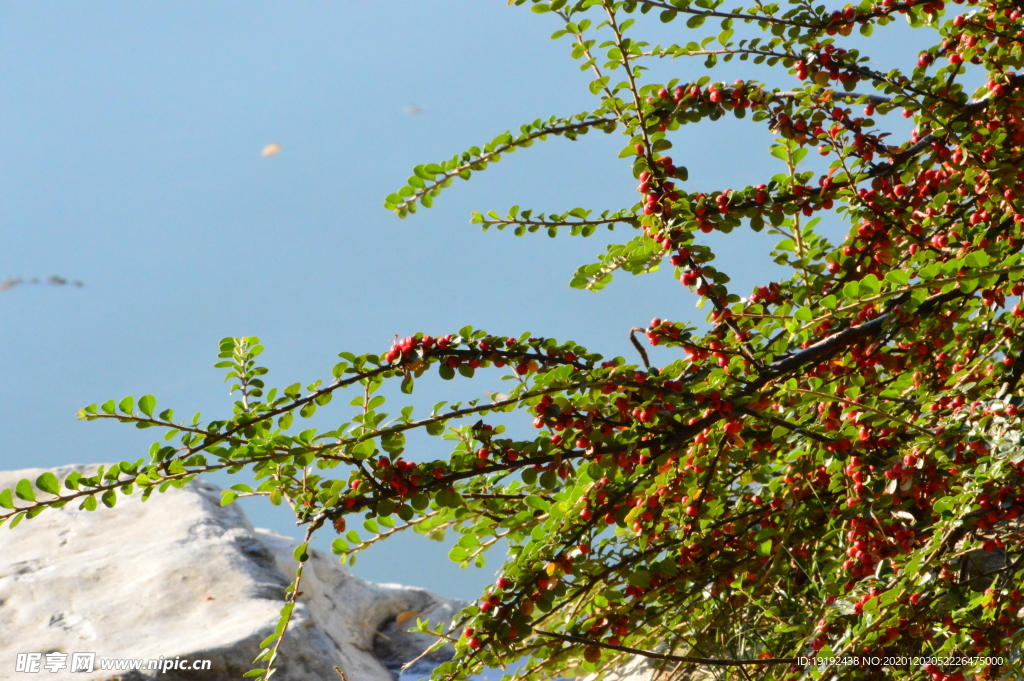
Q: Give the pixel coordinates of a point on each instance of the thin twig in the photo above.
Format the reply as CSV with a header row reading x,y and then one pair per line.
x,y
639,348
710,661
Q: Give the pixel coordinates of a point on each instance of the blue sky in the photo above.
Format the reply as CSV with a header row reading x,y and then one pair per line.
x,y
130,160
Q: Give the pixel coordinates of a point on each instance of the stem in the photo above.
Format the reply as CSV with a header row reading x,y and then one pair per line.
x,y
859,405
293,597
637,103
709,661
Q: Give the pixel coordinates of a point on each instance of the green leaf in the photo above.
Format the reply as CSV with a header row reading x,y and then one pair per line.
x,y
804,314
898,277
146,404
300,553
6,499
48,482
641,578
24,490
628,151
393,443
977,259
127,405
765,548
537,502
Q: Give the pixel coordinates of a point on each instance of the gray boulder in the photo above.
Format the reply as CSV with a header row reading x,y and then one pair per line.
x,y
181,578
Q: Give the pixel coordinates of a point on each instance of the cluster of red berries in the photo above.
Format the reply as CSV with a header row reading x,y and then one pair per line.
x,y
742,94
829,60
404,348
659,194
665,331
491,349
399,475
617,626
772,293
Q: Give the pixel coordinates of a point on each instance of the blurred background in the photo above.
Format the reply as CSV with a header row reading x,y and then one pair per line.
x,y
131,140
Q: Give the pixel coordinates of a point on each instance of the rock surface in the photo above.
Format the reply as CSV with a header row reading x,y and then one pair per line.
x,y
181,576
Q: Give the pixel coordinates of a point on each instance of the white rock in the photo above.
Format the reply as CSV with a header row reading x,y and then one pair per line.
x,y
179,576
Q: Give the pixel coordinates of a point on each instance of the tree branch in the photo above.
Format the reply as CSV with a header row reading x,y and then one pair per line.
x,y
709,661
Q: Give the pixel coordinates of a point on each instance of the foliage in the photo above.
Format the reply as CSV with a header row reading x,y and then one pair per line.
x,y
828,469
